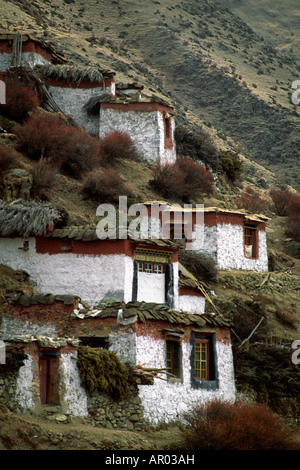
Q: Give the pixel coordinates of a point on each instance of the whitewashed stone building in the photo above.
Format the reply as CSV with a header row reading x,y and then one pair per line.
x,y
142,305
91,97
22,49
234,239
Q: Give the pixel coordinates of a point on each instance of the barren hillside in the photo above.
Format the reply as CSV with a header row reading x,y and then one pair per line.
x,y
224,78
215,67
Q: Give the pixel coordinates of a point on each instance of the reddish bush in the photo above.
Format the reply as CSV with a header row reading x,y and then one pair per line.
x,y
20,100
196,176
293,227
68,148
104,187
183,180
252,201
280,198
235,426
43,179
117,145
293,206
7,159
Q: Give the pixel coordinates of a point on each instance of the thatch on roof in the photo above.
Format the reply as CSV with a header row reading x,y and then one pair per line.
x,y
25,218
74,73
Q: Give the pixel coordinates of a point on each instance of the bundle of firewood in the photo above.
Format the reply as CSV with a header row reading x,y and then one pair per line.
x,y
141,375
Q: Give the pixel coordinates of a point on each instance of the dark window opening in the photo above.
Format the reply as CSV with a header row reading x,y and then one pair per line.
x,y
94,341
174,358
250,242
168,127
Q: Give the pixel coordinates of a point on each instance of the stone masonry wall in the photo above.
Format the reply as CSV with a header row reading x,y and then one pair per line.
x,y
164,401
145,128
71,102
32,57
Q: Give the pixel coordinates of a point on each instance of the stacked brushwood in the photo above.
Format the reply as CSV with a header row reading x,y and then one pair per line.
x,y
141,375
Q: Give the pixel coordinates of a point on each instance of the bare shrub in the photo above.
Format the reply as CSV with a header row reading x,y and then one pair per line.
x,y
252,201
43,179
70,149
104,187
219,425
20,100
196,145
183,180
8,159
280,198
116,146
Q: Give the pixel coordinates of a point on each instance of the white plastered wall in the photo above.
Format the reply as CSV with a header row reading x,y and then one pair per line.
x,y
146,129
72,100
192,304
27,57
165,401
87,276
225,243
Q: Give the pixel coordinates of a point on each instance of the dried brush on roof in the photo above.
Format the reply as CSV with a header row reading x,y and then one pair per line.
x,y
74,74
25,218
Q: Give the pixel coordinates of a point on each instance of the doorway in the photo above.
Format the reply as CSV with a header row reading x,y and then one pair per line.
x,y
48,372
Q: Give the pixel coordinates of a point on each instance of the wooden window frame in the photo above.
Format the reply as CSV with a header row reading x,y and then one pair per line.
x,y
251,234
174,358
209,380
202,365
159,267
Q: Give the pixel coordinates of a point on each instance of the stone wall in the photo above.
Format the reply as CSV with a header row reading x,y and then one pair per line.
x,y
165,401
72,100
191,303
225,244
125,414
145,128
32,57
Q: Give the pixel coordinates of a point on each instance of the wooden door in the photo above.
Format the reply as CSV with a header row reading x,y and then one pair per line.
x,y
48,369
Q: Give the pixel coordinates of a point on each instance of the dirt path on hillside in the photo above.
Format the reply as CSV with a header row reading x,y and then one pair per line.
x,y
29,432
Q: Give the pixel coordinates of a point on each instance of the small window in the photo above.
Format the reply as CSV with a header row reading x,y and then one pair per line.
x,y
168,127
201,360
156,268
250,242
148,267
173,360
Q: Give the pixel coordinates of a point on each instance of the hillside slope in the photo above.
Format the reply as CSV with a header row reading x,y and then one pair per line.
x,y
222,77
219,73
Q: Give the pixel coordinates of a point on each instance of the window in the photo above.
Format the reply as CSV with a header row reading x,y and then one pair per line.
x,y
203,361
94,341
168,127
156,268
173,358
250,242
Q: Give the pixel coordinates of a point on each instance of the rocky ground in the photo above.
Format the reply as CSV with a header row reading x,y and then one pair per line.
x,y
57,432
